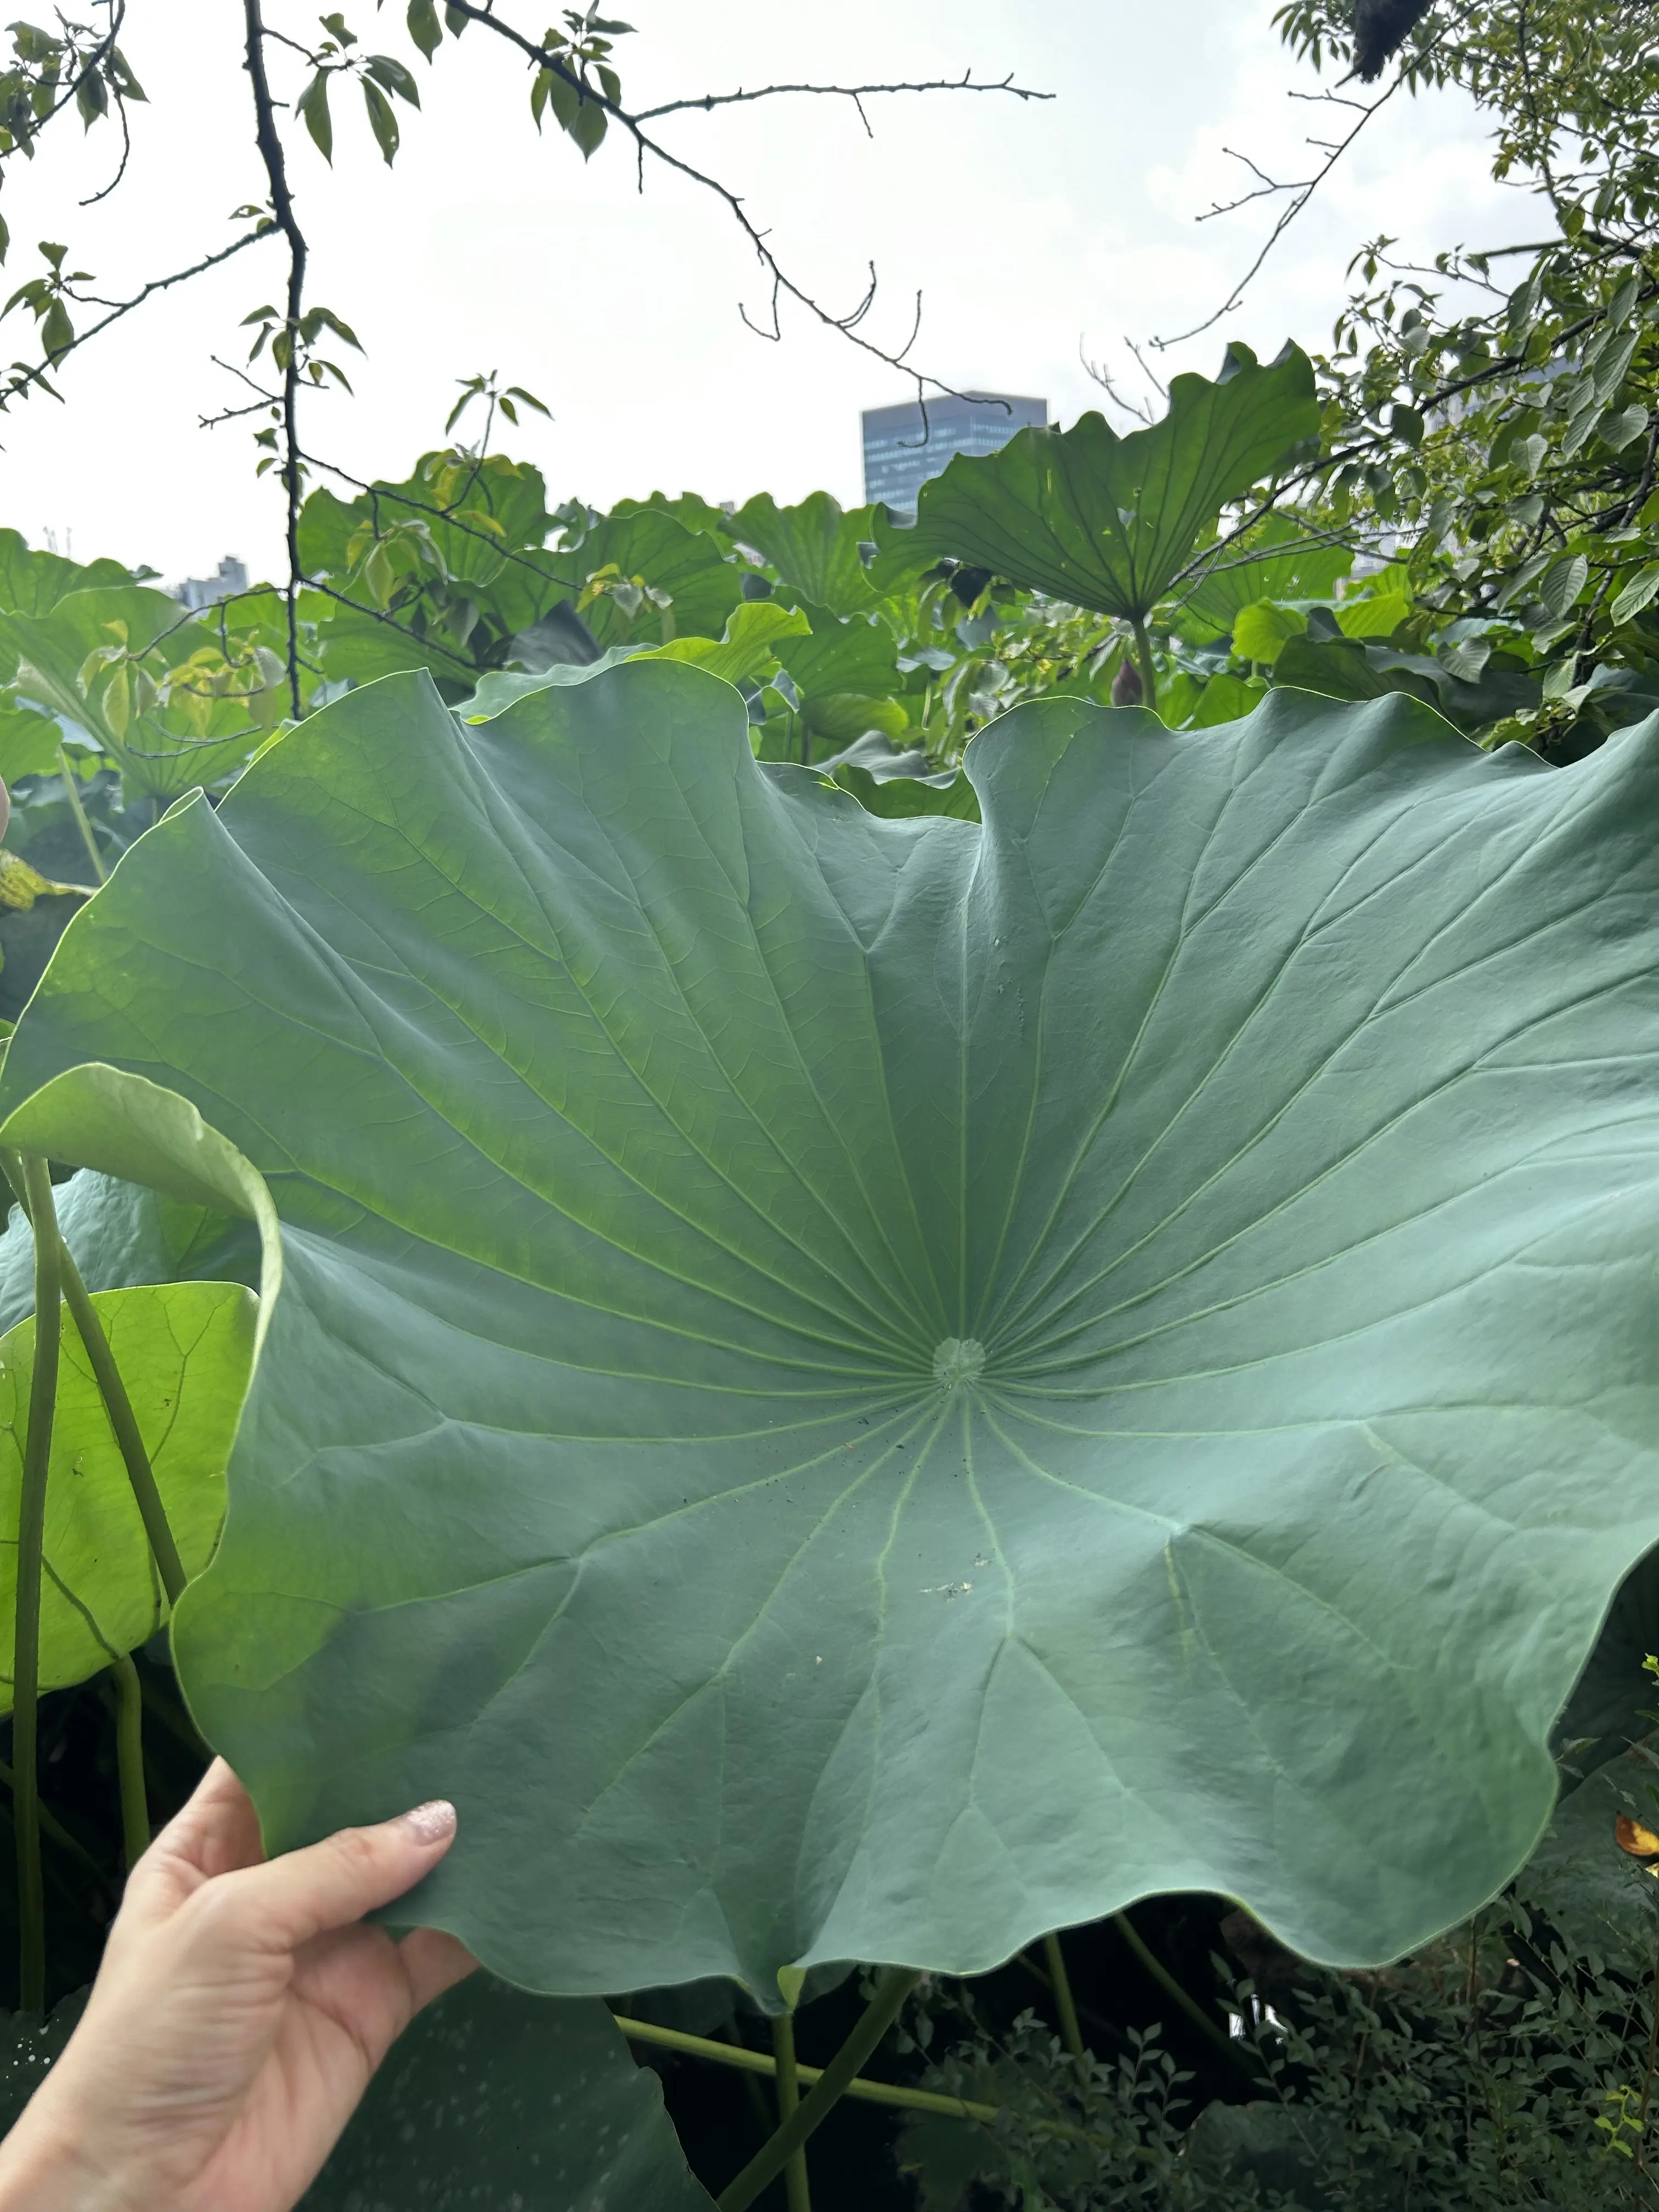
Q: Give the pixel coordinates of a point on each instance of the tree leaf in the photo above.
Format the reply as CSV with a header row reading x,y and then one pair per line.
x,y
660,1140
184,1351
424,28
313,106
386,70
1639,593
381,121
492,2099
587,122
1105,521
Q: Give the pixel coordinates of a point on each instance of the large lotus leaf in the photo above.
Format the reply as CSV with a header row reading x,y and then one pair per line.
x,y
652,547
859,1388
689,507
814,547
32,583
1277,560
851,654
183,1350
1105,521
492,2101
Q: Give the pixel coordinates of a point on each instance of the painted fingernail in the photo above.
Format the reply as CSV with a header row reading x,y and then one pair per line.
x,y
432,1822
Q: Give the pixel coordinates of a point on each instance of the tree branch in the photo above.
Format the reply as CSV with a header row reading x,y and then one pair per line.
x,y
782,283
271,153
38,374
856,93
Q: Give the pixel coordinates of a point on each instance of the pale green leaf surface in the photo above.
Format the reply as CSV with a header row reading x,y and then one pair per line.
x,y
183,1350
650,1129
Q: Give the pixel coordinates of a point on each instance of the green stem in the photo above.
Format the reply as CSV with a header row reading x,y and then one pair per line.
x,y
124,1422
797,2190
129,1760
1144,655
81,820
31,1532
895,1984
1063,2004
756,2062
1167,1982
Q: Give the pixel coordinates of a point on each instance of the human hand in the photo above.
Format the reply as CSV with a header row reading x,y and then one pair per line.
x,y
241,2009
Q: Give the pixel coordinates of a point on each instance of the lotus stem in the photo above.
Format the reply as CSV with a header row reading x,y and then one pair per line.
x,y
1062,1988
31,1533
80,822
124,1422
756,2062
797,2188
1143,657
895,1984
1167,1982
129,1758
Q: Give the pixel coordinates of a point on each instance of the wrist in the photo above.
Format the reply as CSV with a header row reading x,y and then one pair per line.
x,y
45,2166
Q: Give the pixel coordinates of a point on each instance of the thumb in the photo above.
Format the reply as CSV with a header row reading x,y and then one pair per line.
x,y
305,1892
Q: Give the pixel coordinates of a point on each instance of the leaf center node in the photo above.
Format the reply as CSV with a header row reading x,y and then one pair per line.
x,y
958,1359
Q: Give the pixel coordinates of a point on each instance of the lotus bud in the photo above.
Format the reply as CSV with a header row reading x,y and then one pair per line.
x,y
1127,687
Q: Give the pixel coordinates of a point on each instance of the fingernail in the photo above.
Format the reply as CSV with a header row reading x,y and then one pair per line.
x,y
432,1822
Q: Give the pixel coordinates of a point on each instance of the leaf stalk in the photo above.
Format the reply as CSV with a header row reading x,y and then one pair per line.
x,y
31,1533
895,1984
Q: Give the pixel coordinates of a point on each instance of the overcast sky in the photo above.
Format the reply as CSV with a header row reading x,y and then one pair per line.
x,y
1033,230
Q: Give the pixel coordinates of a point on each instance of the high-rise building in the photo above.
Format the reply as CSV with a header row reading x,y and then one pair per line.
x,y
198,592
904,445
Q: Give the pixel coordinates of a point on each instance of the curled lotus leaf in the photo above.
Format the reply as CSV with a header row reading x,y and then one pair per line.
x,y
863,1388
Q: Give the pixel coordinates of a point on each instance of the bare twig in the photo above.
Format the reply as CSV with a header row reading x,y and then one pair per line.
x,y
705,101
783,285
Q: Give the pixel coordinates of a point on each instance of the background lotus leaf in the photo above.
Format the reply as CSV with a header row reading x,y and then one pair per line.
x,y
1280,559
814,547
864,1388
1106,521
183,1350
492,2101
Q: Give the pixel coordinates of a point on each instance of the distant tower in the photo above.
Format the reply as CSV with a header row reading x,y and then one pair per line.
x,y
198,592
904,447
